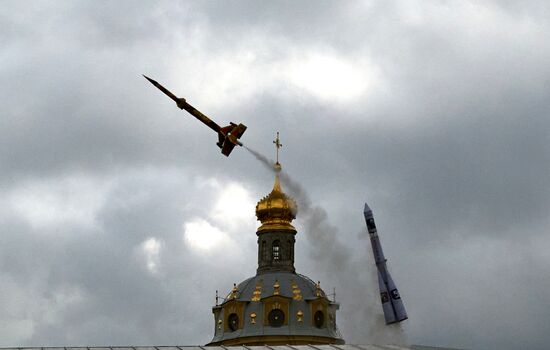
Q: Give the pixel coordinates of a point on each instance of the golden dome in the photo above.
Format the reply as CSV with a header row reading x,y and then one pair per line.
x,y
276,210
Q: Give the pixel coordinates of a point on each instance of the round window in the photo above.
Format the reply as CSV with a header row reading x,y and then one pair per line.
x,y
319,319
233,322
276,318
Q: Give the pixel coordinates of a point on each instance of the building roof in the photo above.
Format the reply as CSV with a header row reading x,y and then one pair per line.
x,y
241,347
288,284
299,290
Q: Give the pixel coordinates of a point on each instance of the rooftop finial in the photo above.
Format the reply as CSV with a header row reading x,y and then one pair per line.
x,y
278,145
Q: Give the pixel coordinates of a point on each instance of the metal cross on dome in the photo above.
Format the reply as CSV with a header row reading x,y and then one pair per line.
x,y
278,145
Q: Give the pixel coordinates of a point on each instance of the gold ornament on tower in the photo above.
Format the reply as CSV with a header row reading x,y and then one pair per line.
x,y
257,294
234,292
297,293
299,316
276,287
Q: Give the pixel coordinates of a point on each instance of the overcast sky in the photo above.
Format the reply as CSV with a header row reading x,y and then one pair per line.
x,y
119,217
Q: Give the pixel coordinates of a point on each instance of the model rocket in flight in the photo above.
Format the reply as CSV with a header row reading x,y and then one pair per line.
x,y
228,136
392,304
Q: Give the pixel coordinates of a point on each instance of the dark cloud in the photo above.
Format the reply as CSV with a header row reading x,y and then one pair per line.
x,y
447,140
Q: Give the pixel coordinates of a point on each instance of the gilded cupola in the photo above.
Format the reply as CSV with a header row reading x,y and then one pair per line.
x,y
276,210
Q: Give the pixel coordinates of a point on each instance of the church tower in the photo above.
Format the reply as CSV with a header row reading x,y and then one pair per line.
x,y
277,306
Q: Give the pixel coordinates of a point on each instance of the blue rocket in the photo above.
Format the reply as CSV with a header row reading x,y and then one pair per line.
x,y
392,304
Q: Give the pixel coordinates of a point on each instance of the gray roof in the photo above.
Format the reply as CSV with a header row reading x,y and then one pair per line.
x,y
271,347
286,280
306,285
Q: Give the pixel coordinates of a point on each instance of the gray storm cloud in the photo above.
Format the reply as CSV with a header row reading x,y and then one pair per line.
x,y
447,139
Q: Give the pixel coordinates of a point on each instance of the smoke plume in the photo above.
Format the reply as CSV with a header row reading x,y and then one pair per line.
x,y
358,282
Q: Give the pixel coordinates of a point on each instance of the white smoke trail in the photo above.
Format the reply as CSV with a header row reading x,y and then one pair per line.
x,y
334,260
268,163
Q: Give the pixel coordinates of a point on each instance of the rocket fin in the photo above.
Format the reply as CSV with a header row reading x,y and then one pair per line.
x,y
227,147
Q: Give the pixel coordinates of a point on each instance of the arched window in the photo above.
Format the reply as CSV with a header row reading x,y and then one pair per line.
x,y
276,251
319,319
233,322
276,318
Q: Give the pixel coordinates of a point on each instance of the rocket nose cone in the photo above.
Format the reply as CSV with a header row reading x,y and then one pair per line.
x,y
367,209
150,80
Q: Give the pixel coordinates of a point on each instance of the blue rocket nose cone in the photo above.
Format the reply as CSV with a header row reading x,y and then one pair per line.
x,y
367,209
